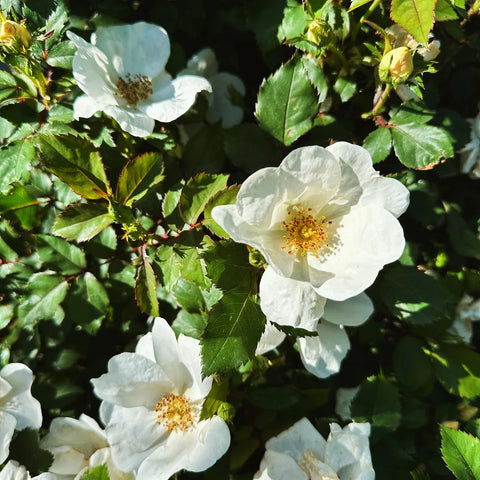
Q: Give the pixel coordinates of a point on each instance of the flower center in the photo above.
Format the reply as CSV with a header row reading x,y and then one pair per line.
x,y
175,412
314,468
305,233
134,89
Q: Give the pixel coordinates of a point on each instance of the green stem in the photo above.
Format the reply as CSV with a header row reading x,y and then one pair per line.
x,y
371,9
380,102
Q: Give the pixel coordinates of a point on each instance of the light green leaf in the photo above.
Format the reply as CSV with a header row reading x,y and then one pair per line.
x,y
59,255
421,146
234,327
287,103
6,128
190,324
47,292
189,296
415,16
81,222
138,176
87,303
316,76
77,163
146,289
96,473
357,3
295,20
444,11
379,144
461,452
17,199
197,192
224,197
345,87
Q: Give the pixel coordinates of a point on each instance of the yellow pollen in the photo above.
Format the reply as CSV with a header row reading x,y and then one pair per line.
x,y
134,89
305,233
175,413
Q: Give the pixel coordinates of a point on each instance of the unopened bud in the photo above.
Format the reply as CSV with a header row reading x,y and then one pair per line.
x,y
396,65
12,30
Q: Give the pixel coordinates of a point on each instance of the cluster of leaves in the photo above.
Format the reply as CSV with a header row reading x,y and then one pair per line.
x,y
99,230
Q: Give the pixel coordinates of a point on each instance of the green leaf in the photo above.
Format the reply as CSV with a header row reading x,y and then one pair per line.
x,y
465,241
234,327
377,402
7,79
357,3
461,452
287,102
225,197
47,292
379,144
190,324
189,295
316,76
59,255
444,11
96,473
197,192
87,303
295,20
421,146
412,367
146,289
77,163
345,87
61,55
415,16
414,296
138,176
6,128
14,162
82,221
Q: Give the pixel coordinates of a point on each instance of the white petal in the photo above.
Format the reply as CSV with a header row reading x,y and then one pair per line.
x,y
222,107
7,427
67,460
348,451
343,402
271,338
203,63
132,380
213,440
133,435
323,355
19,401
14,471
93,72
85,106
138,48
290,302
369,238
351,312
131,121
299,437
176,98
279,466
145,346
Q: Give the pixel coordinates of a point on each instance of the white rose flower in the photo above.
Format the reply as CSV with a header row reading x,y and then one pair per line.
x,y
324,216
152,403
18,409
301,453
401,38
296,304
77,446
122,72
14,471
204,63
468,311
470,153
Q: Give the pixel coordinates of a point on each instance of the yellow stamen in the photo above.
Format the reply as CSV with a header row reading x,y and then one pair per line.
x,y
134,89
304,233
175,413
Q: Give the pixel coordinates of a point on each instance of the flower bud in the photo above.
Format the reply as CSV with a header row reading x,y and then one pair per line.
x,y
11,30
396,65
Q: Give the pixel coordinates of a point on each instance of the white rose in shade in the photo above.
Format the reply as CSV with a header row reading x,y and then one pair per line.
x,y
204,63
14,471
468,311
122,72
296,304
18,409
152,403
77,446
324,216
301,453
343,402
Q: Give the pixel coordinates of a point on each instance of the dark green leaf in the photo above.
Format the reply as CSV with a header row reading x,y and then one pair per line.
x,y
378,143
190,324
316,76
82,221
225,197
464,240
287,103
189,295
234,327
461,452
345,87
138,176
77,163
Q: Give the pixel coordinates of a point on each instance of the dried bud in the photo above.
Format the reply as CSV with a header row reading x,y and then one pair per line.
x,y
396,65
11,30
